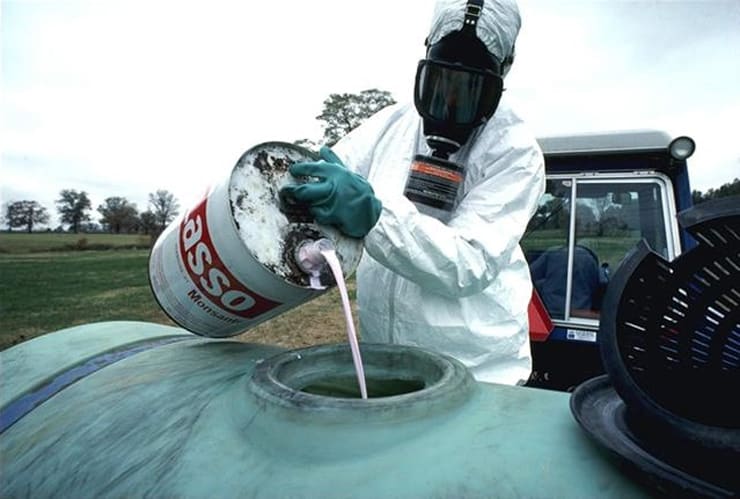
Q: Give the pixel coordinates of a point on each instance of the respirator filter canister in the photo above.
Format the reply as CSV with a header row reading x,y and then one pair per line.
x,y
434,186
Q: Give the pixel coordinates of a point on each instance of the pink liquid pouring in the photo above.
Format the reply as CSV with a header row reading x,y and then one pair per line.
x,y
336,268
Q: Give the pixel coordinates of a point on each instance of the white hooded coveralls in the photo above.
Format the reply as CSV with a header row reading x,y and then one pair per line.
x,y
462,288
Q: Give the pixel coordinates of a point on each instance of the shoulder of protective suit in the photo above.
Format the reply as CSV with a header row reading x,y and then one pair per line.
x,y
505,116
389,114
376,123
506,135
355,149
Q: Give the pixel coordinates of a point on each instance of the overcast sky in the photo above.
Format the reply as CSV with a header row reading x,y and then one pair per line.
x,y
124,97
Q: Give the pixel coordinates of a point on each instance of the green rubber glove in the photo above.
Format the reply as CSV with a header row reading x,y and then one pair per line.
x,y
340,197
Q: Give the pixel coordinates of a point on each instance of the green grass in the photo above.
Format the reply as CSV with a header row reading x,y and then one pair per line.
x,y
20,242
42,292
45,289
611,249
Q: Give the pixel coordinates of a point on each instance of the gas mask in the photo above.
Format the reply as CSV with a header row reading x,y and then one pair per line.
x,y
453,100
458,87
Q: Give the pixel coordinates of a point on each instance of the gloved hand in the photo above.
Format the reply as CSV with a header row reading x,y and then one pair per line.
x,y
340,197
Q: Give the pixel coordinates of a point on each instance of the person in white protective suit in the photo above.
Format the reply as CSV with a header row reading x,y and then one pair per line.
x,y
442,274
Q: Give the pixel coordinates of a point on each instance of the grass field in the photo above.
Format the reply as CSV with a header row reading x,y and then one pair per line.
x,y
44,288
20,242
611,249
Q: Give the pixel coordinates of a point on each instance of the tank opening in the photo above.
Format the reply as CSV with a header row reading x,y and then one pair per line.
x,y
324,376
347,387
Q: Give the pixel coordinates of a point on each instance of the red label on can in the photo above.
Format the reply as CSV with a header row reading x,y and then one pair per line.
x,y
210,275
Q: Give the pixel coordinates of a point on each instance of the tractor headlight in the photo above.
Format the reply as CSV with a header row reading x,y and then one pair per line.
x,y
681,148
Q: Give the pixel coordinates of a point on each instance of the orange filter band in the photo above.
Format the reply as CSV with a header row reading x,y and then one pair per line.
x,y
436,171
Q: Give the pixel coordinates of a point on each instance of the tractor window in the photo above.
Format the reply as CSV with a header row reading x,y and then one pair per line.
x,y
546,245
573,252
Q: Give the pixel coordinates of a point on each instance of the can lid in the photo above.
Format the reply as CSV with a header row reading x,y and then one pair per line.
x,y
271,227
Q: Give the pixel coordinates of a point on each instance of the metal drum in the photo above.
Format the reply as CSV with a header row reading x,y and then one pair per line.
x,y
229,263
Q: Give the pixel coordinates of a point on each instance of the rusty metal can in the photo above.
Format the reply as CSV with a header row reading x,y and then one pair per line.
x,y
229,262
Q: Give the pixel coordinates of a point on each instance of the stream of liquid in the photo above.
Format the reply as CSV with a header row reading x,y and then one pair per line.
x,y
331,259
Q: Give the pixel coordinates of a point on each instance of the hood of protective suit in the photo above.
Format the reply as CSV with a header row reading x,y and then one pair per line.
x,y
498,25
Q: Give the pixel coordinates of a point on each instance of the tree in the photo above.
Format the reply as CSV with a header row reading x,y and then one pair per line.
x,y
118,214
344,112
164,206
72,207
25,214
725,190
697,197
148,222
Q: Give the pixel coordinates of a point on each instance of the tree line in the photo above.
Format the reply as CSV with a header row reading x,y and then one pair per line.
x,y
725,190
341,114
117,214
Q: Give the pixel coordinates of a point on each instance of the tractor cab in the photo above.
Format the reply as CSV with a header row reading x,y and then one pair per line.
x,y
604,194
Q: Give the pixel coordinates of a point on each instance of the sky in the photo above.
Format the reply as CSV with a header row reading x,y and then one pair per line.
x,y
125,97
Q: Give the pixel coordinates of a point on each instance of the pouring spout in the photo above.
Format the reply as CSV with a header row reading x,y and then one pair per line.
x,y
309,257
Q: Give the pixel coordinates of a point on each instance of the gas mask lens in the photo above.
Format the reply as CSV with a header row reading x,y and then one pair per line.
x,y
456,94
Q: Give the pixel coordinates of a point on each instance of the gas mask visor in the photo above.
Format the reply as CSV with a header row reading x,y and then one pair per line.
x,y
455,95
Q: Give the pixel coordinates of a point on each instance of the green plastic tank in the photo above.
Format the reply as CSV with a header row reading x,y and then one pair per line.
x,y
127,409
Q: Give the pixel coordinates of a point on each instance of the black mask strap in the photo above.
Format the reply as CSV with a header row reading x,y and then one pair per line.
x,y
473,10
